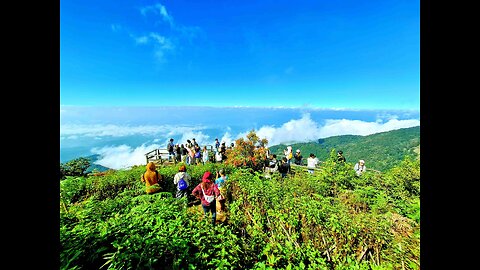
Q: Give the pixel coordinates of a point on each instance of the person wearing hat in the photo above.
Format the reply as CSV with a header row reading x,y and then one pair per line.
x,y
312,162
298,157
360,167
206,192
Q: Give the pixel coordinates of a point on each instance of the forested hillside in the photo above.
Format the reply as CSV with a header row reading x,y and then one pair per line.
x,y
381,151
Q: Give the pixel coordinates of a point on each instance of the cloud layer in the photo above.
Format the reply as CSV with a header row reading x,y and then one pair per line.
x,y
296,130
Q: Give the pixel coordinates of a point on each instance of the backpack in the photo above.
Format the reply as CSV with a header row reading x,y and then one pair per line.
x,y
289,155
170,148
182,184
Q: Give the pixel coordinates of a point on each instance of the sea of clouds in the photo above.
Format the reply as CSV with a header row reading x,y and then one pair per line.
x,y
124,143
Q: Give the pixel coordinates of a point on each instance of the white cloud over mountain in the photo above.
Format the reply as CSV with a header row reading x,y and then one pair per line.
x,y
296,130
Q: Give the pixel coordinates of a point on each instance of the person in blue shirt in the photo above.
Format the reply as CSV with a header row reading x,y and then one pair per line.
x,y
221,185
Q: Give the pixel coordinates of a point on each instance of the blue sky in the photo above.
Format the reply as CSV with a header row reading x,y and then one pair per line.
x,y
326,54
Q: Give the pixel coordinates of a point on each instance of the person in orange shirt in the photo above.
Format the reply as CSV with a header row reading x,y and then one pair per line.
x,y
152,179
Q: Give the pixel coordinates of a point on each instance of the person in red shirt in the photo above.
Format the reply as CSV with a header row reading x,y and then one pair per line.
x,y
207,191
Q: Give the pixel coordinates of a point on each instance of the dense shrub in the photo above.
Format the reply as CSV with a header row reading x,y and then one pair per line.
x,y
328,220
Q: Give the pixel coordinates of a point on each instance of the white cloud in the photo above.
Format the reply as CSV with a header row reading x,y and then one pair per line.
x,y
164,42
305,129
160,10
200,138
164,14
73,131
357,127
141,40
116,27
123,156
164,45
227,138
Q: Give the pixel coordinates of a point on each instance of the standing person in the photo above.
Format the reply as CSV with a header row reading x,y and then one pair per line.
x,y
184,153
182,186
188,147
298,157
284,168
288,153
312,162
190,156
206,191
217,144
221,185
360,167
273,164
340,157
178,154
205,155
152,179
223,151
171,153
197,154
218,157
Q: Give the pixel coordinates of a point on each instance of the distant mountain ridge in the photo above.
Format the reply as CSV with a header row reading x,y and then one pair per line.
x,y
381,151
95,167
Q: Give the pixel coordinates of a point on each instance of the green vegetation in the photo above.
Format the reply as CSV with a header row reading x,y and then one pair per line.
x,y
329,220
75,167
381,151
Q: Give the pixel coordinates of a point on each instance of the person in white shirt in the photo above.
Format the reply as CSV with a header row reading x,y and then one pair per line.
x,y
181,174
312,162
205,155
360,167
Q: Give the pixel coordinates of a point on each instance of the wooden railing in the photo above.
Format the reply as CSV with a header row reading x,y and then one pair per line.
x,y
157,155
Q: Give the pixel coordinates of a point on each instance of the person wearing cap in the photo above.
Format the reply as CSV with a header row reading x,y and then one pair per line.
x,y
298,157
182,173
312,162
360,167
206,192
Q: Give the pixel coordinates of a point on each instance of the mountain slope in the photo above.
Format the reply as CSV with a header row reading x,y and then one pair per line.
x,y
95,167
381,151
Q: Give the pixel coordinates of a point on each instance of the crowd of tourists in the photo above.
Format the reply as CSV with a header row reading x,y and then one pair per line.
x,y
212,187
191,153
